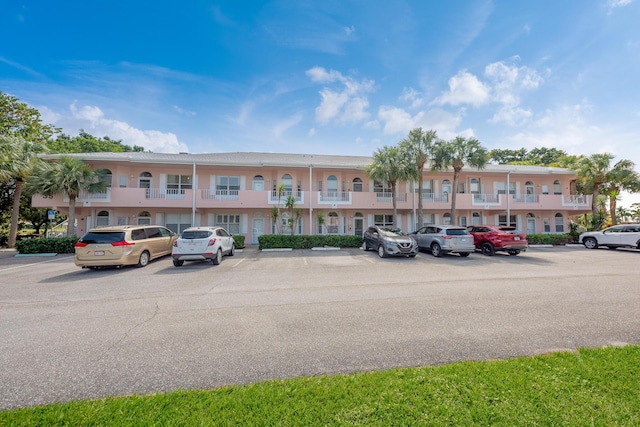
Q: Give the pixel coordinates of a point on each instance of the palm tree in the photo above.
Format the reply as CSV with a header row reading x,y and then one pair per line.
x,y
68,175
17,159
390,165
419,145
455,154
595,174
622,177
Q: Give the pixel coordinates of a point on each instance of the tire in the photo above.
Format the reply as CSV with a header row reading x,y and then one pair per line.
x,y
436,250
177,263
464,254
590,243
216,260
514,252
412,255
381,252
365,247
232,252
488,249
143,260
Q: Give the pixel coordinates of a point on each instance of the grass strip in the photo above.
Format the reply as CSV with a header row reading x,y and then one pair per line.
x,y
587,387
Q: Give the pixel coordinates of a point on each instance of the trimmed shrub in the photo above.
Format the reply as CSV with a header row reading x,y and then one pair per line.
x,y
550,239
239,239
274,241
57,245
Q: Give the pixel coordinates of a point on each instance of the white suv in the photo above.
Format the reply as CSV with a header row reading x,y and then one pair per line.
x,y
202,244
618,236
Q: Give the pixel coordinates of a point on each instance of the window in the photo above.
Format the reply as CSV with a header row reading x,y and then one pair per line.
x,y
476,218
557,187
287,181
474,185
379,187
144,218
332,186
428,218
178,222
227,185
102,219
559,223
383,220
446,219
258,183
545,189
547,225
176,184
463,221
502,220
446,186
230,222
357,185
332,223
106,176
122,181
144,180
501,187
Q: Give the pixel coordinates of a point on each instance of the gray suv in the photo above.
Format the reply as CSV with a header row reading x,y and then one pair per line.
x,y
442,239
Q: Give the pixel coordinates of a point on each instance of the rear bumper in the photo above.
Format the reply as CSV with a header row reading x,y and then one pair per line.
x,y
193,257
513,247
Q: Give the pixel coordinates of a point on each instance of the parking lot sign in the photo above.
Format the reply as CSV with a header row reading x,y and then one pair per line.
x,y
51,214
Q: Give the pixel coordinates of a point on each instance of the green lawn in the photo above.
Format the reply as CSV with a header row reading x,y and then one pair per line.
x,y
588,387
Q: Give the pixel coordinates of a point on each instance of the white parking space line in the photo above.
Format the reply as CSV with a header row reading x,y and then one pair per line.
x,y
368,260
238,263
29,265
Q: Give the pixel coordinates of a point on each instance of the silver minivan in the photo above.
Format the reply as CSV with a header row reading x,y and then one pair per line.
x,y
442,239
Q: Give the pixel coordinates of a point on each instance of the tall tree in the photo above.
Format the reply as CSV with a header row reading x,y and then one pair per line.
x,y
68,175
506,156
592,174
87,143
390,165
455,154
20,120
18,158
621,177
418,146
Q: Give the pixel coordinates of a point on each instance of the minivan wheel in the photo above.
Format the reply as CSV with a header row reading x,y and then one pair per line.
x,y
382,252
436,250
590,243
144,259
177,263
216,260
487,249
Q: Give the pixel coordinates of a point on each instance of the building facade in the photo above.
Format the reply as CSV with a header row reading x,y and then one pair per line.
x,y
240,191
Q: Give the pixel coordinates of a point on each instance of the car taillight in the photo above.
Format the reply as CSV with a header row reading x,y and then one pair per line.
x,y
445,236
122,243
80,245
211,242
175,243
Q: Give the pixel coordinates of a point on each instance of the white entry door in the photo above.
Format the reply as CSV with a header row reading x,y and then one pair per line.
x,y
531,226
257,230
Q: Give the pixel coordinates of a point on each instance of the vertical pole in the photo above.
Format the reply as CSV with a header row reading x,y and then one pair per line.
x,y
193,196
508,199
311,222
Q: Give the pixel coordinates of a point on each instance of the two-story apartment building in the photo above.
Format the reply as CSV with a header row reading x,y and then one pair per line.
x,y
239,191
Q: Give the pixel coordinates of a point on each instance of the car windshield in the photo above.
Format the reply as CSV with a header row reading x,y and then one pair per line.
x,y
389,231
103,237
196,234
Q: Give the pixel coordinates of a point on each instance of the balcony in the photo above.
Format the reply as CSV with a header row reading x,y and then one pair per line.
x,y
274,198
334,198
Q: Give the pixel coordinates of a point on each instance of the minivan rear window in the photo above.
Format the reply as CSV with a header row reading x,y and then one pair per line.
x,y
196,234
105,237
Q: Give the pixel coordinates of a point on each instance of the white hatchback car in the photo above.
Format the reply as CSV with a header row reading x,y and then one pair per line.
x,y
202,244
618,236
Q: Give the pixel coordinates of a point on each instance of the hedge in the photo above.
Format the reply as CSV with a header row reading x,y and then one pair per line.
x,y
550,239
239,239
274,241
46,245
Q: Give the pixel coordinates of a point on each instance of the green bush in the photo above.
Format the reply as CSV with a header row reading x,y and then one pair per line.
x,y
274,241
4,239
239,239
550,239
57,245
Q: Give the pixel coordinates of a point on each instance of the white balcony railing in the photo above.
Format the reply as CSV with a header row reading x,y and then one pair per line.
x,y
219,194
298,196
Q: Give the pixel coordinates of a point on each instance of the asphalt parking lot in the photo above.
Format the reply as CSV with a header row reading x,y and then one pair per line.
x,y
68,333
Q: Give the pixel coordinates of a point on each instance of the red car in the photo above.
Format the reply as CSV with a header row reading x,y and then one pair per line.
x,y
492,238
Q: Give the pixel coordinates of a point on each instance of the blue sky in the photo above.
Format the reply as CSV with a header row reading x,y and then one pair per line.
x,y
330,77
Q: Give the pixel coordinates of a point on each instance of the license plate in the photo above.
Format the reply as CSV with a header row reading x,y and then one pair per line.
x,y
516,238
98,253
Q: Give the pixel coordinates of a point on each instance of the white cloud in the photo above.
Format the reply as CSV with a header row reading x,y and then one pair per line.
x,y
412,96
349,30
92,120
399,121
347,103
290,122
464,88
185,112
